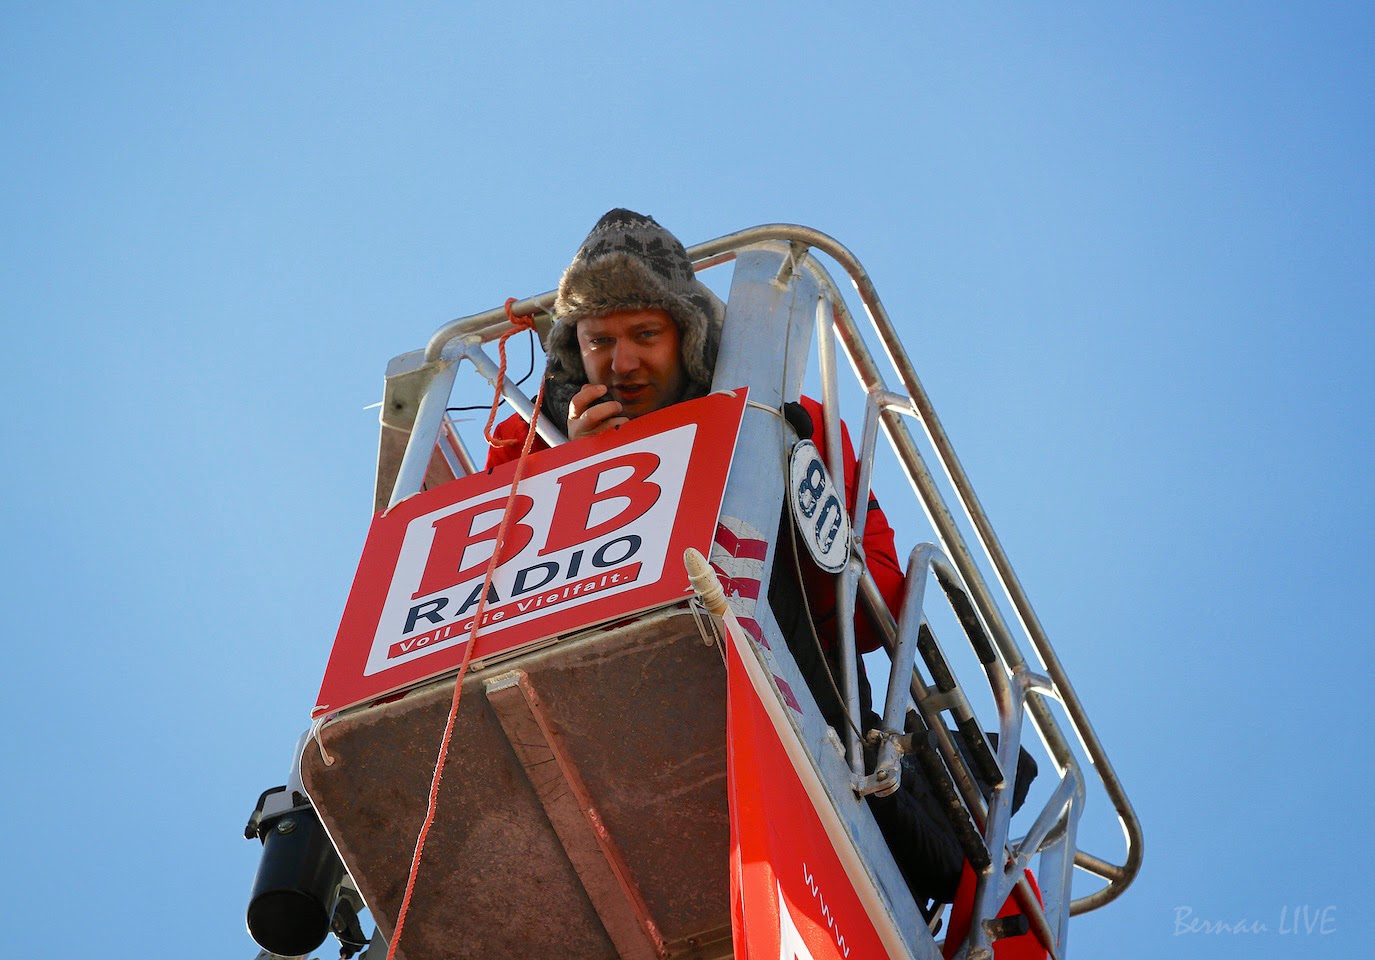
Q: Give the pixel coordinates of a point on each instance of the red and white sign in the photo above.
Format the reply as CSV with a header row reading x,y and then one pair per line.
x,y
798,888
597,532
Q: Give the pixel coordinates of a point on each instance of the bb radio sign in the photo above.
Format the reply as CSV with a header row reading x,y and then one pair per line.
x,y
597,532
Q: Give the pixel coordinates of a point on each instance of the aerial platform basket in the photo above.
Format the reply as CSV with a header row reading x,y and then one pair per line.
x,y
584,811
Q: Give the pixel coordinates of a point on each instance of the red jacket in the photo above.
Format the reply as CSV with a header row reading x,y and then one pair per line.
x,y
880,551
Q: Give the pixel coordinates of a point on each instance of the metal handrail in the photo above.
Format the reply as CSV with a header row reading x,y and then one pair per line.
x,y
463,337
1118,877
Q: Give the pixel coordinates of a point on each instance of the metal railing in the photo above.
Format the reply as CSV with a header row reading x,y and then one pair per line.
x,y
885,406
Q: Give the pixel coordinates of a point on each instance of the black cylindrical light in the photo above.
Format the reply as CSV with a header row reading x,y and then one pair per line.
x,y
297,885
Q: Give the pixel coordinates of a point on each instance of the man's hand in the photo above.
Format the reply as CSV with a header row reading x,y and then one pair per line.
x,y
587,417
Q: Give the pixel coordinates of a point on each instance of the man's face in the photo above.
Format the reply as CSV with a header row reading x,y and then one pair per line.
x,y
634,353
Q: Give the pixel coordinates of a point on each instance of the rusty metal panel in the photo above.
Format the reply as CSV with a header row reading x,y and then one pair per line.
x,y
638,710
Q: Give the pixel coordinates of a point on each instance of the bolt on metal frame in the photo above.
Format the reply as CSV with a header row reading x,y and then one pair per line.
x,y
1018,691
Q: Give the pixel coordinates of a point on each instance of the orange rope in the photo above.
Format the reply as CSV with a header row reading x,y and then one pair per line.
x,y
519,323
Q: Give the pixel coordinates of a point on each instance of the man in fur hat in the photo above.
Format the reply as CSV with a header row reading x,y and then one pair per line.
x,y
636,331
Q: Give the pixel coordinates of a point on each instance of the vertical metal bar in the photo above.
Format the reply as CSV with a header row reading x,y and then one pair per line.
x,y
878,401
461,459
1050,814
904,654
847,580
1057,872
865,455
425,432
959,772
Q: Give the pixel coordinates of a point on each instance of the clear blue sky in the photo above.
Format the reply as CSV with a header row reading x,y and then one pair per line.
x,y
1129,249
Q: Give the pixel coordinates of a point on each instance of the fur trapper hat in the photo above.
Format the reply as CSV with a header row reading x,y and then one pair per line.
x,y
629,262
